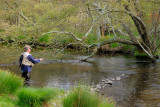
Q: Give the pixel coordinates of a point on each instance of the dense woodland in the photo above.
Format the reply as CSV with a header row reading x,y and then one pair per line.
x,y
91,24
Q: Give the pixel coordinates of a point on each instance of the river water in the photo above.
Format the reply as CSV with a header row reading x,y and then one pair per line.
x,y
139,87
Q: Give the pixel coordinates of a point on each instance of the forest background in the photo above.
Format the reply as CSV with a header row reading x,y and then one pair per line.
x,y
128,26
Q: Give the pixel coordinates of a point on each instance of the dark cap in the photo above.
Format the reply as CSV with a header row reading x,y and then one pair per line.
x,y
27,47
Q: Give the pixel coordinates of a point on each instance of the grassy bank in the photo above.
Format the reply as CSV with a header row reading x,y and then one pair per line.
x,y
9,82
82,96
13,94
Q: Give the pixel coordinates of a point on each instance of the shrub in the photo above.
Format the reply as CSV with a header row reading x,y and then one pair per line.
x,y
35,97
9,82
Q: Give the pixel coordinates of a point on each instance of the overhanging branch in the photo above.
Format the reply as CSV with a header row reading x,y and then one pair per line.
x,y
61,32
119,40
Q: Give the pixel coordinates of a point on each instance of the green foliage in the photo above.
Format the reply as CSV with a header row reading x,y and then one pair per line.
x,y
21,37
2,30
83,97
6,101
65,40
114,45
46,38
140,54
107,103
102,39
91,38
35,96
9,82
127,47
111,36
80,35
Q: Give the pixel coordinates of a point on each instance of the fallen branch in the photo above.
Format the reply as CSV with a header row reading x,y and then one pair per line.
x,y
119,40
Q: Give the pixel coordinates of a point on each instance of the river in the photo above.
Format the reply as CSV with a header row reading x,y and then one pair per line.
x,y
139,87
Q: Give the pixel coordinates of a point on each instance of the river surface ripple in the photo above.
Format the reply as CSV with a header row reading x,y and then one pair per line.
x,y
140,87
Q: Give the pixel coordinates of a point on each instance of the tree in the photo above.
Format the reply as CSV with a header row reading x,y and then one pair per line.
x,y
137,20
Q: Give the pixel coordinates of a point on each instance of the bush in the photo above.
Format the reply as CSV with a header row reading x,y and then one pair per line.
x,y
35,97
9,82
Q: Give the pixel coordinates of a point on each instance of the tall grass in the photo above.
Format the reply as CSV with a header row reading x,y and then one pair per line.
x,y
7,101
83,97
35,97
107,103
9,82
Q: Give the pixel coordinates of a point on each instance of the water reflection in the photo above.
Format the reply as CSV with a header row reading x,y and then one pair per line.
x,y
139,88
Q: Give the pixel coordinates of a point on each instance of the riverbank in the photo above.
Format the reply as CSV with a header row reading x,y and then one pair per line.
x,y
12,93
141,76
50,52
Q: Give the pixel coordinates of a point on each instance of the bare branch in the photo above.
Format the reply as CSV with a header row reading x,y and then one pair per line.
x,y
85,46
124,41
119,40
151,56
90,56
20,13
25,18
129,32
61,32
137,8
64,48
156,47
8,5
121,32
88,31
109,21
89,12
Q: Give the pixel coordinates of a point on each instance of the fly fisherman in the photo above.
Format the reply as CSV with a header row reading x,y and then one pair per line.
x,y
26,62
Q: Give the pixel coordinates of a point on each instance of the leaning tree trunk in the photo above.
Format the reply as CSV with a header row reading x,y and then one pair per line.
x,y
146,44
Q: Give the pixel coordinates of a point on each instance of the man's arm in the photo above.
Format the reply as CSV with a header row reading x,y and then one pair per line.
x,y
34,61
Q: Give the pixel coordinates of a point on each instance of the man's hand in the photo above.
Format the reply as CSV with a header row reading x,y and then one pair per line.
x,y
41,59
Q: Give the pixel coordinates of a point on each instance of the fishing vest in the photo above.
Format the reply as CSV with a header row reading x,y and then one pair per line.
x,y
25,60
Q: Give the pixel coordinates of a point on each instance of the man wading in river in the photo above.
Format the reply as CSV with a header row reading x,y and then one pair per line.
x,y
26,62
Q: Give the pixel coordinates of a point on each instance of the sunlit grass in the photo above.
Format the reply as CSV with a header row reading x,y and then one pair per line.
x,y
7,101
9,82
83,97
35,97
